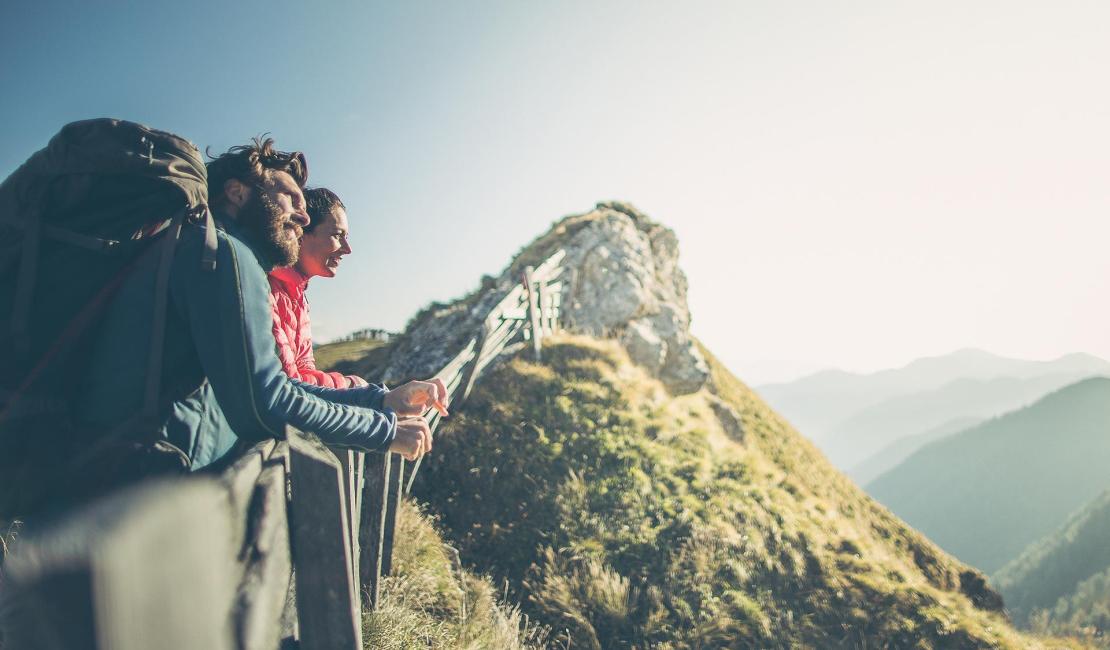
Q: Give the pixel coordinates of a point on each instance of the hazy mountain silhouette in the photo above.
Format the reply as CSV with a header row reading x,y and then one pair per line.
x,y
988,492
817,403
865,433
899,450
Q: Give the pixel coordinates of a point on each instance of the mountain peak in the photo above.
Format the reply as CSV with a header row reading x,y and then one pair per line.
x,y
621,280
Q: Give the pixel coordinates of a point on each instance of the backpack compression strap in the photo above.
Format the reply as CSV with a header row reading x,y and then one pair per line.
x,y
161,299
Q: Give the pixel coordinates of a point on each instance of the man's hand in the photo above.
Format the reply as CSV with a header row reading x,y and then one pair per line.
x,y
414,438
416,397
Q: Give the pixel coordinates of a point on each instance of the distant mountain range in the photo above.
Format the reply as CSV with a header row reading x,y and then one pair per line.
x,y
858,419
897,419
988,492
901,449
1053,573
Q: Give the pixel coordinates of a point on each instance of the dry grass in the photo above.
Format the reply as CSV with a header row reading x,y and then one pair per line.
x,y
430,601
624,518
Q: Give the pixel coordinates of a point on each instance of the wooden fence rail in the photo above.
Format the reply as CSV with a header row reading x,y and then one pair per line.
x,y
274,553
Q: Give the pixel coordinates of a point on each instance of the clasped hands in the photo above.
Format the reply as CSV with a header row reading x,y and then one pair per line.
x,y
410,402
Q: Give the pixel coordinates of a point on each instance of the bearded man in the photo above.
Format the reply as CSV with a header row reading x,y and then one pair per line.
x,y
221,380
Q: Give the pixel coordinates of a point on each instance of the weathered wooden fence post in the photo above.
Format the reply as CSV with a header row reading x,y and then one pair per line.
x,y
353,465
372,527
327,598
119,574
256,488
394,493
534,313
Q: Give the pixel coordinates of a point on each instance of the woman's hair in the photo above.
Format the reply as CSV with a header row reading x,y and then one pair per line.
x,y
320,202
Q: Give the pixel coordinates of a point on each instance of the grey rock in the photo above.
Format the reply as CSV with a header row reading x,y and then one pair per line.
x,y
622,280
728,416
644,346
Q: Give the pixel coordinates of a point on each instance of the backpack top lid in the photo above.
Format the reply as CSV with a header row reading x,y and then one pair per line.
x,y
105,147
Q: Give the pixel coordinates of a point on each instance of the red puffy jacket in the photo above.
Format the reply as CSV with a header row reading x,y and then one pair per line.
x,y
293,332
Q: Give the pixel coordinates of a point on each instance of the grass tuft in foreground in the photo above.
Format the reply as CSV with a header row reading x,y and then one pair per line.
x,y
430,601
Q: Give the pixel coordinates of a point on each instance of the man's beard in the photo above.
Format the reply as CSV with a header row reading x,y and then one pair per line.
x,y
262,222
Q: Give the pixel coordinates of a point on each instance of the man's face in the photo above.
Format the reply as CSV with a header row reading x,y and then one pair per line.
x,y
274,215
284,192
324,247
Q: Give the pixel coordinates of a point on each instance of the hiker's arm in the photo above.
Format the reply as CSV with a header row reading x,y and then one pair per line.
x,y
369,396
308,374
229,313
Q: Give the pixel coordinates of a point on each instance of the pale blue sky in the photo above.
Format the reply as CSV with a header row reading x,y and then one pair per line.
x,y
853,183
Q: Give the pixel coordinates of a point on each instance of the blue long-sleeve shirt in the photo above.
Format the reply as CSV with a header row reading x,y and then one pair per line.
x,y
221,376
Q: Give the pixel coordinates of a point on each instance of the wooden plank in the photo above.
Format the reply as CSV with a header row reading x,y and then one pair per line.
x,y
510,301
239,479
394,493
548,266
372,527
351,467
325,583
459,361
533,312
496,347
119,573
543,298
268,566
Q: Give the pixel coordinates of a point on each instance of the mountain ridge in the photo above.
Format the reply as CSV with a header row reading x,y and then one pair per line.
x,y
625,509
1028,470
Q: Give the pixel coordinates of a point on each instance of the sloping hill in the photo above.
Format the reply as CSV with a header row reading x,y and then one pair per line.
x,y
631,493
1049,573
987,493
865,433
631,518
894,453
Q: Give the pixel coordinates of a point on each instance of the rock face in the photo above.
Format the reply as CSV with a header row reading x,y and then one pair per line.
x,y
622,280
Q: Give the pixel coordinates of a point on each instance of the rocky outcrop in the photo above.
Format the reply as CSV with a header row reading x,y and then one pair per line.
x,y
622,280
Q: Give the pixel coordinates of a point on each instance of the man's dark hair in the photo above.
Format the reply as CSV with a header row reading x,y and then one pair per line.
x,y
252,164
320,202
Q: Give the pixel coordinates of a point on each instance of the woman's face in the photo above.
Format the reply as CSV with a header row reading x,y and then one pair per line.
x,y
324,247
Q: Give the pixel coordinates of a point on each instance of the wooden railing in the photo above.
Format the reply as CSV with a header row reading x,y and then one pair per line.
x,y
275,552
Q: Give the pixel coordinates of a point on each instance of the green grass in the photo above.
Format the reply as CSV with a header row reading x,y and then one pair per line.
x,y
329,355
430,601
622,517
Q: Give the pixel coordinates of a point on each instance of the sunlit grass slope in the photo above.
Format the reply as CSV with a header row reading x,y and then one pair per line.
x,y
431,601
331,355
623,517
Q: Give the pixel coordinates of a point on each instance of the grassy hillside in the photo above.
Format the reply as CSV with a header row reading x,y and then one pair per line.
x,y
622,517
430,601
341,355
1026,471
1050,572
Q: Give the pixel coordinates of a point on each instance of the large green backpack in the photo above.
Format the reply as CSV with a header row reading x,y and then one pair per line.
x,y
74,220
